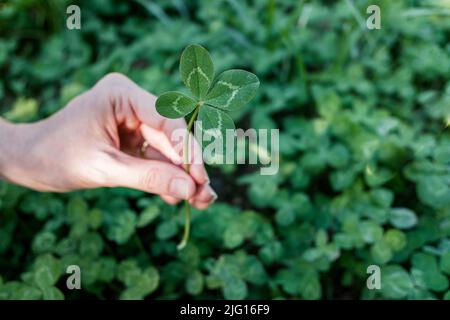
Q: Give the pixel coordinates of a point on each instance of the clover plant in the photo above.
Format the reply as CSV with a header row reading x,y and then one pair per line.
x,y
213,97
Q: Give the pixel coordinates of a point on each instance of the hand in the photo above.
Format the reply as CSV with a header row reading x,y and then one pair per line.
x,y
96,140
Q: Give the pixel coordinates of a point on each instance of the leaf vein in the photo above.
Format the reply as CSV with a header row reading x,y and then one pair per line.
x,y
235,89
175,105
201,72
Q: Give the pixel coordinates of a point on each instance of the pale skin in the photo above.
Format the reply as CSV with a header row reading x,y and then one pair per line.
x,y
96,141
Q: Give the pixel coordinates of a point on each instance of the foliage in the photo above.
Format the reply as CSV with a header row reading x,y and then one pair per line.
x,y
364,170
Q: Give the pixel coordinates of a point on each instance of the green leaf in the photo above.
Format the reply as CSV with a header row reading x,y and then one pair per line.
x,y
107,267
445,263
166,230
95,218
25,292
395,282
425,268
371,231
52,293
253,271
43,277
382,197
214,125
197,70
285,215
128,271
148,281
271,252
91,245
22,110
446,296
213,118
338,156
49,262
235,289
233,89
434,191
424,261
377,176
289,281
321,238
381,252
122,226
147,216
310,288
44,242
194,283
233,236
174,105
402,218
395,239
132,293
436,281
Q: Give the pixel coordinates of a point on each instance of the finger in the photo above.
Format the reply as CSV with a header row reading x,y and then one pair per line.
x,y
204,197
170,199
159,141
201,200
143,104
201,205
153,154
197,168
175,130
150,175
204,194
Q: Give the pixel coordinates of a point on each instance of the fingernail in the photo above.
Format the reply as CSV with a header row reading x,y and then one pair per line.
x,y
213,193
179,188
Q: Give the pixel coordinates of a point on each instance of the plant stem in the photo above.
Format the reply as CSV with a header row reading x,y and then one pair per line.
x,y
187,225
186,138
187,167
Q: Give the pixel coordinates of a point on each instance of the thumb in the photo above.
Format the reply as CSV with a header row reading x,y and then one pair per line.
x,y
152,176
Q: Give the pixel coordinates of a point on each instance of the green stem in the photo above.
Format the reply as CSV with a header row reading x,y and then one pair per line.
x,y
187,167
187,225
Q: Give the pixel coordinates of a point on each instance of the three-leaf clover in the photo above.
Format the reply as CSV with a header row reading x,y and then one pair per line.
x,y
213,98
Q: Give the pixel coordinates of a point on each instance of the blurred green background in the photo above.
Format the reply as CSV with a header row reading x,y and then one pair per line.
x,y
364,138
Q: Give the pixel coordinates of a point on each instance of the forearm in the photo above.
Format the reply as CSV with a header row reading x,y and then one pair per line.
x,y
7,134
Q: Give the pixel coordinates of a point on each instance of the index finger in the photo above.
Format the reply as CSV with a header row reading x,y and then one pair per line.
x,y
143,104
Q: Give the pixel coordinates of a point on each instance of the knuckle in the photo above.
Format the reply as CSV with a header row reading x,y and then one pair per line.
x,y
114,86
150,179
99,171
93,176
115,82
114,78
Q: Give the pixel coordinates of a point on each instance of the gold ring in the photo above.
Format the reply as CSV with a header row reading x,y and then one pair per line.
x,y
144,147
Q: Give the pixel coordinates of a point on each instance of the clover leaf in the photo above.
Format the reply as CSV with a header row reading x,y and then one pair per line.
x,y
214,124
213,98
233,89
174,105
197,70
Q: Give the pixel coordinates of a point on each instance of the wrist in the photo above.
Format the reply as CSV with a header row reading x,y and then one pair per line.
x,y
12,142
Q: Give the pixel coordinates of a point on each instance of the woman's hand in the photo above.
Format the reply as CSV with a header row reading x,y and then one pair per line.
x,y
96,141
